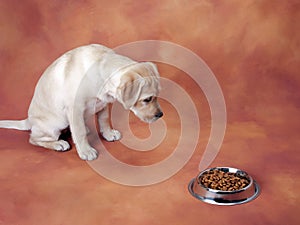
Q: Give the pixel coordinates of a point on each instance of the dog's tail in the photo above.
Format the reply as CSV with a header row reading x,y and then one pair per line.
x,y
15,124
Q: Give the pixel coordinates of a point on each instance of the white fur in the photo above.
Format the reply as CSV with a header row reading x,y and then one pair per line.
x,y
82,81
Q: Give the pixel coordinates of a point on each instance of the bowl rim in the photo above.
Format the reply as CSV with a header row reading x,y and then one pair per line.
x,y
225,168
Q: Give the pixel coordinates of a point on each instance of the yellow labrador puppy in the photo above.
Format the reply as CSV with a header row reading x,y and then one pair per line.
x,y
82,82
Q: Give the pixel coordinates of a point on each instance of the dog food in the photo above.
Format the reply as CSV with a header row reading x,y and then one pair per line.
x,y
223,181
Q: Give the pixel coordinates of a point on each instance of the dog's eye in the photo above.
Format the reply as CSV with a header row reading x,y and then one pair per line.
x,y
147,99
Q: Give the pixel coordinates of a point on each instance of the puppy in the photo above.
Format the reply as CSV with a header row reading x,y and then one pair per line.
x,y
83,82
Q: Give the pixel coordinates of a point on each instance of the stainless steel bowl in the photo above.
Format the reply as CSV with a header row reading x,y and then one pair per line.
x,y
218,197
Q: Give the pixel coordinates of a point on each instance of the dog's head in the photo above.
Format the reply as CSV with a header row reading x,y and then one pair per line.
x,y
138,91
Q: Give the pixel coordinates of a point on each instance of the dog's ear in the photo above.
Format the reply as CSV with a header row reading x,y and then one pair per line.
x,y
153,69
129,90
153,72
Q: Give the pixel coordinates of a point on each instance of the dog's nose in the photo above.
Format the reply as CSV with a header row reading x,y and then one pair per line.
x,y
159,114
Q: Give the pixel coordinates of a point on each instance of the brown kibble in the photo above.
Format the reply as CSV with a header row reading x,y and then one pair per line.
x,y
224,181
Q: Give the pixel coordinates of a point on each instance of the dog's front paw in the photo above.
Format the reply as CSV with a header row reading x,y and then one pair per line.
x,y
111,135
88,153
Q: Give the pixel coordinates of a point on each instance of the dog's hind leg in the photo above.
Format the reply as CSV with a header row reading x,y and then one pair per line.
x,y
47,138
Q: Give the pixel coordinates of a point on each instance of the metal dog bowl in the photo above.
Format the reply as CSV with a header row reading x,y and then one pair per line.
x,y
224,197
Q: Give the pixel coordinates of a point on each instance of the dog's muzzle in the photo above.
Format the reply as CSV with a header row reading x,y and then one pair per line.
x,y
159,114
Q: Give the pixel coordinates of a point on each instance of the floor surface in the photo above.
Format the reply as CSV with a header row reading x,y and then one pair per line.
x,y
252,47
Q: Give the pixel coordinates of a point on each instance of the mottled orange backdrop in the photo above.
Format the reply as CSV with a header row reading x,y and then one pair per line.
x,y
251,46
